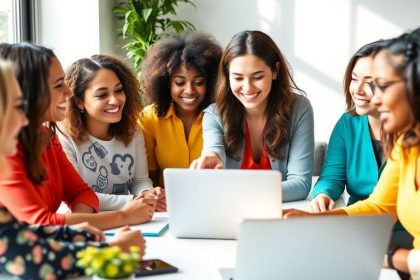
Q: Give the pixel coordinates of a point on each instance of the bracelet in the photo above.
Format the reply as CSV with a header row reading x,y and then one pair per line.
x,y
390,254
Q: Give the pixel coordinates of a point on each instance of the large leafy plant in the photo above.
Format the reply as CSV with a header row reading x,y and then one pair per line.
x,y
144,23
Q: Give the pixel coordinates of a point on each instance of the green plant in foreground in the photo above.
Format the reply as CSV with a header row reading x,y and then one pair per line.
x,y
109,262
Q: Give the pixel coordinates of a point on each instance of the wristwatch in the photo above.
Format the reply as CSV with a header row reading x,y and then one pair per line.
x,y
390,253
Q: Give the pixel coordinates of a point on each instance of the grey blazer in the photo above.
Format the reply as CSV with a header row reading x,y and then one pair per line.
x,y
296,168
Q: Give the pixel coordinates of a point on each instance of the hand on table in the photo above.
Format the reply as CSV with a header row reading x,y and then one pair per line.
x,y
322,203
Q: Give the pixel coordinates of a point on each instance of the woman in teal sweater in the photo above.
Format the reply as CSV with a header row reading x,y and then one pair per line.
x,y
354,157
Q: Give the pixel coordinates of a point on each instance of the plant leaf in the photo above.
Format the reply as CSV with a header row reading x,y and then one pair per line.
x,y
146,14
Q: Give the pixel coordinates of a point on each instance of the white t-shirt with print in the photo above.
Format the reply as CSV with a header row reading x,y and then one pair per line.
x,y
114,171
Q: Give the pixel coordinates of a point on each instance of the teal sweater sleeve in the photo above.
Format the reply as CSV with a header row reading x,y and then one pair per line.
x,y
350,161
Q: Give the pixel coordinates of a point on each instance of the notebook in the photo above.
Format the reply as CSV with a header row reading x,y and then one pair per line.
x,y
211,203
317,247
155,227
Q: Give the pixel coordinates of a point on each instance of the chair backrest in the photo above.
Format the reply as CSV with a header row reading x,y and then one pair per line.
x,y
319,156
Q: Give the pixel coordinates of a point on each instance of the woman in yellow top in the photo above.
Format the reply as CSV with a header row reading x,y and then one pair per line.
x,y
396,86
178,78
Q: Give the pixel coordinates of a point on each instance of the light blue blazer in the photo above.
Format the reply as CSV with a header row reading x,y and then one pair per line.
x,y
296,168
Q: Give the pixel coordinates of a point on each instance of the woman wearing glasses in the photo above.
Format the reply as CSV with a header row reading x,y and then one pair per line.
x,y
355,141
396,72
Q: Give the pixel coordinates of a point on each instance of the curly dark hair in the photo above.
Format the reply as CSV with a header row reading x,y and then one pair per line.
x,y
198,50
280,99
368,50
407,47
32,72
79,75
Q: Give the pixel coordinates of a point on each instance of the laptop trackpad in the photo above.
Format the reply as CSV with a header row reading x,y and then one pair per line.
x,y
227,273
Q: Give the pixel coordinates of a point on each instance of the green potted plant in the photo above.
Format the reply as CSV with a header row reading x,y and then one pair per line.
x,y
109,262
145,21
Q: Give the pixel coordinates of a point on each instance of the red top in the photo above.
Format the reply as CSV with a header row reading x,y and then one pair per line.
x,y
37,204
248,160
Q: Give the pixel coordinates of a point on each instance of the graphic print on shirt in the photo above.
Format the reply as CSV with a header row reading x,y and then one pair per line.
x,y
102,181
99,150
88,158
89,161
111,173
122,164
121,188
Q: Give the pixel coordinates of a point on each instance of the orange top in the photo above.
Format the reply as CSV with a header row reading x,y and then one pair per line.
x,y
37,204
248,160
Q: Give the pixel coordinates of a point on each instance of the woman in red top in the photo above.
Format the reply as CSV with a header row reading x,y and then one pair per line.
x,y
41,176
42,252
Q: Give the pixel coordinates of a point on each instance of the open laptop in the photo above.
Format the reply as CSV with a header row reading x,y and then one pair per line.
x,y
212,203
317,247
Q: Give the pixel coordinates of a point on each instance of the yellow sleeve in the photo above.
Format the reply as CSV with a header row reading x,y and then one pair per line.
x,y
383,199
146,125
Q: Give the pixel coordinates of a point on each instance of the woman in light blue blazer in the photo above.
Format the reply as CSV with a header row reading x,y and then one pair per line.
x,y
354,158
260,119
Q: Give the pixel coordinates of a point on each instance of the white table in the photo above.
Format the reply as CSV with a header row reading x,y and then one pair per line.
x,y
202,258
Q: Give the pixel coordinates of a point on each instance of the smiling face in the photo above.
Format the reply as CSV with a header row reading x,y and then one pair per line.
x,y
104,100
250,80
14,120
390,94
360,89
188,90
59,92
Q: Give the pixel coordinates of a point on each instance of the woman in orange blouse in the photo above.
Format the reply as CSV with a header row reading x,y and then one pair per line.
x,y
41,176
43,252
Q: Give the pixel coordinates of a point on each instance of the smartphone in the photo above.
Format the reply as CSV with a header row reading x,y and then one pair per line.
x,y
155,266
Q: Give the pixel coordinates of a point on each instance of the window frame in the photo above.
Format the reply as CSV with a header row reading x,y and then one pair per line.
x,y
25,21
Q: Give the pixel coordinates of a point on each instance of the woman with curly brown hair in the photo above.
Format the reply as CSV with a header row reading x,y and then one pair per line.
x,y
41,176
178,78
41,252
260,119
101,137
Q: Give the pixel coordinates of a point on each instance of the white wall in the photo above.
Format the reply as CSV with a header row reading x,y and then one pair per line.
x,y
76,28
317,37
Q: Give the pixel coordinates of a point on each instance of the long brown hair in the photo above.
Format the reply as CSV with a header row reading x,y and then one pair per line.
x,y
280,99
407,47
32,71
368,50
78,77
6,76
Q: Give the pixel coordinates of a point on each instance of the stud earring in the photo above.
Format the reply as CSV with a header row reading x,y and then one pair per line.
x,y
82,111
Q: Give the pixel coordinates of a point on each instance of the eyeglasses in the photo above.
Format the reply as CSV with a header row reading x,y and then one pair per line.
x,y
382,86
